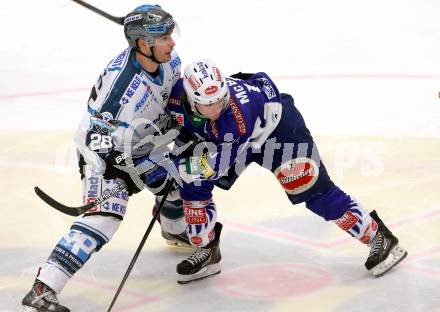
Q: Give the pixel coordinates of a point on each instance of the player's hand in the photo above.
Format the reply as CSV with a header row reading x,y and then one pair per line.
x,y
185,143
119,166
113,159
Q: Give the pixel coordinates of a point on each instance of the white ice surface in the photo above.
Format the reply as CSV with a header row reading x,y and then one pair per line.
x,y
355,68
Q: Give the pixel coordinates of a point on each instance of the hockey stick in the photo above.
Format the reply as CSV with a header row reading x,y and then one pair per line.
x,y
77,211
142,243
117,20
144,167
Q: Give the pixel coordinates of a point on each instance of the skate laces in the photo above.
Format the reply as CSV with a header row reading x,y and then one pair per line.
x,y
199,256
376,243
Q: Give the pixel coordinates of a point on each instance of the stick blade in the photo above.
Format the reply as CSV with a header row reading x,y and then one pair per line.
x,y
71,211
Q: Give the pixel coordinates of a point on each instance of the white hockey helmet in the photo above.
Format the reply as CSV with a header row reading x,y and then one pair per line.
x,y
205,84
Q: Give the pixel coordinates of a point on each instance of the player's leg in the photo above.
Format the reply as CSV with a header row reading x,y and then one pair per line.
x,y
347,213
88,234
172,220
205,261
300,171
202,229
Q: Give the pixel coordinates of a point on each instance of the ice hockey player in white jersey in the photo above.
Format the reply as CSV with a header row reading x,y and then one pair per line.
x,y
125,116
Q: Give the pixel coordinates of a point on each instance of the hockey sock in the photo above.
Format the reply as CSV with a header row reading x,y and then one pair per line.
x,y
346,212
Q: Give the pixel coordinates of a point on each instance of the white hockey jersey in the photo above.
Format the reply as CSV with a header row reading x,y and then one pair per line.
x,y
126,109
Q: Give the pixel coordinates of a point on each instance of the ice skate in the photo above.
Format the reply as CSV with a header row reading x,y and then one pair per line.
x,y
385,252
41,298
204,262
176,240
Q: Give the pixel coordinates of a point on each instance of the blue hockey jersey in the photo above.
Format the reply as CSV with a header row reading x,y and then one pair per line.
x,y
252,114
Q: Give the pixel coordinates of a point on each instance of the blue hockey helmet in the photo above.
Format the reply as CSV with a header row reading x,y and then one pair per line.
x,y
147,22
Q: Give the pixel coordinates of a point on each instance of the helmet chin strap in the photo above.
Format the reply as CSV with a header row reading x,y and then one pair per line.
x,y
151,57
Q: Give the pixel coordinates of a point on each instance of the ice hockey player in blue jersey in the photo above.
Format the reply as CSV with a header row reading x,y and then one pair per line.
x,y
246,119
123,119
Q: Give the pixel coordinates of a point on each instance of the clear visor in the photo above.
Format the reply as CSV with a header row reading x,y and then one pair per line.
x,y
163,40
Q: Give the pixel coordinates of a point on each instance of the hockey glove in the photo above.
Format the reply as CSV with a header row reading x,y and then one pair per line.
x,y
113,160
185,143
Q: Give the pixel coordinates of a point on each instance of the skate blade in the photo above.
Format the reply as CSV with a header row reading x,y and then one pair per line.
x,y
207,271
396,255
173,243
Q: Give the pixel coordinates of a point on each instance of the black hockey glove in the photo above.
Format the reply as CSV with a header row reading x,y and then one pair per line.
x,y
185,143
116,158
152,175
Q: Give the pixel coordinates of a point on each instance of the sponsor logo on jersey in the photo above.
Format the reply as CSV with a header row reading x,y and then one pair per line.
x,y
143,100
164,94
297,175
175,62
175,101
180,118
267,88
347,221
92,191
211,90
238,116
195,215
214,129
131,89
119,59
161,122
118,208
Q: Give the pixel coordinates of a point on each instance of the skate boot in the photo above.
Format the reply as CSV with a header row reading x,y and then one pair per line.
x,y
204,262
177,240
41,298
385,251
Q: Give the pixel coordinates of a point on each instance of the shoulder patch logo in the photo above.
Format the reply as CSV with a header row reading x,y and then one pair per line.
x,y
267,88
